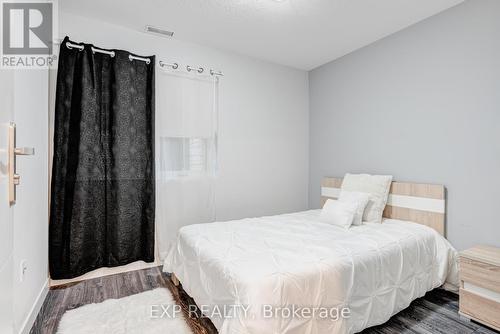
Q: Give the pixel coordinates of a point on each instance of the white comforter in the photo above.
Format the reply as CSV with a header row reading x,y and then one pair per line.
x,y
294,260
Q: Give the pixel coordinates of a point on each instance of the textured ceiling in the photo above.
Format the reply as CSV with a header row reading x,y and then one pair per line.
x,y
300,33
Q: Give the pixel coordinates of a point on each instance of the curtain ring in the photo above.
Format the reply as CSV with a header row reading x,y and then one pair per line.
x,y
146,60
172,65
76,46
190,68
216,73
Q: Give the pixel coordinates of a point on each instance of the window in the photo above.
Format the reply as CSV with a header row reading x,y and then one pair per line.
x,y
184,156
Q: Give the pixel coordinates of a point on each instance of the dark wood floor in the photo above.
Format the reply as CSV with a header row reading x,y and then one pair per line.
x,y
437,312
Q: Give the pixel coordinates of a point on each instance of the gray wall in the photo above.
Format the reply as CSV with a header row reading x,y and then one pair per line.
x,y
422,105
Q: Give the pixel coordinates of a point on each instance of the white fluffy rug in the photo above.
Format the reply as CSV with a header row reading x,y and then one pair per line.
x,y
130,315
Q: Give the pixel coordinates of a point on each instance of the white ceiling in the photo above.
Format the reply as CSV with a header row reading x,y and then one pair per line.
x,y
300,33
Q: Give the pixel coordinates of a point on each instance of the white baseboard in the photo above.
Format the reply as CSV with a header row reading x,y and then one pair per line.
x,y
37,305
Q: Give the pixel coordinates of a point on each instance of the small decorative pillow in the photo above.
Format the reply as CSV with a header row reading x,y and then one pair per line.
x,y
338,213
377,186
361,200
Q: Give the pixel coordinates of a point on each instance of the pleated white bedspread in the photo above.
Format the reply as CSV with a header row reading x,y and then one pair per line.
x,y
375,270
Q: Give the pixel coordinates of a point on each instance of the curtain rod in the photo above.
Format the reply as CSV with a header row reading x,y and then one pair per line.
x,y
174,66
70,46
190,68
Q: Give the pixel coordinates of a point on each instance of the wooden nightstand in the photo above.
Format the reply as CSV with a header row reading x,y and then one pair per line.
x,y
480,285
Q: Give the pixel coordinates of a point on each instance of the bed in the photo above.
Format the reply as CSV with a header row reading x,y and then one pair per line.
x,y
258,272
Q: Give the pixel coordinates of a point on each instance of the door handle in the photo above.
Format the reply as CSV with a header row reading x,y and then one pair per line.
x,y
14,178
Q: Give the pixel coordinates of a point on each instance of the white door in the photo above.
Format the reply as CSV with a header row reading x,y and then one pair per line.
x,y
23,211
6,211
30,257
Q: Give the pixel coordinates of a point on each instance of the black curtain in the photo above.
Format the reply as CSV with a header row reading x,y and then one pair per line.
x,y
102,194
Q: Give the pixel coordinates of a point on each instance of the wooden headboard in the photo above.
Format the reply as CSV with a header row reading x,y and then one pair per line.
x,y
420,203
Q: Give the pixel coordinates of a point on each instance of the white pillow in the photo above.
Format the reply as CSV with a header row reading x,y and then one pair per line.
x,y
361,200
338,213
377,186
